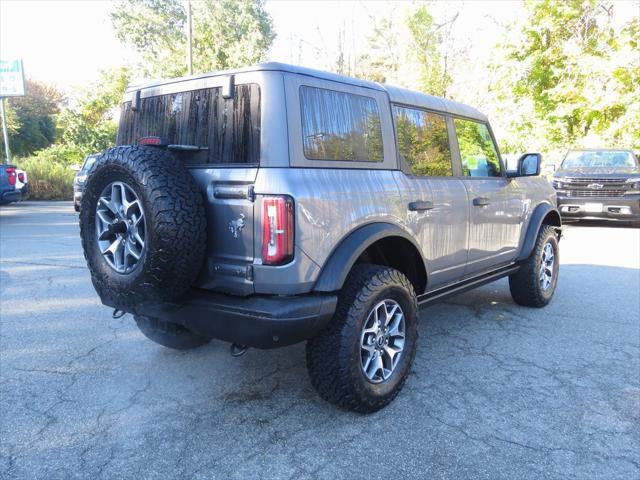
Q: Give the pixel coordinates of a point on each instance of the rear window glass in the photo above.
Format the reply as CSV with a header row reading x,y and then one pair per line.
x,y
228,128
340,126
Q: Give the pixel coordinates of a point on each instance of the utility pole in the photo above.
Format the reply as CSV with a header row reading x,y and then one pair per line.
x,y
5,132
189,40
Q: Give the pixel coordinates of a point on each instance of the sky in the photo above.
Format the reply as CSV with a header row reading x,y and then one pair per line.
x,y
67,42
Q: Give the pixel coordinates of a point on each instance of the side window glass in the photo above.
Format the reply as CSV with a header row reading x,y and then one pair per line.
x,y
423,141
477,150
340,126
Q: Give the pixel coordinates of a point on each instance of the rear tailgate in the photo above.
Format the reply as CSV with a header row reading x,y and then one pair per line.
x,y
218,136
230,228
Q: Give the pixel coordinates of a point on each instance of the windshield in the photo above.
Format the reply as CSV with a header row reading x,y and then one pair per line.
x,y
586,159
88,163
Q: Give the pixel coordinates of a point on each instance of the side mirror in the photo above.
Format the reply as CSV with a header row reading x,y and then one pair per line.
x,y
75,168
528,166
550,167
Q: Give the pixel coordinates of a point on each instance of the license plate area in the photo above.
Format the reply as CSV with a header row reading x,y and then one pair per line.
x,y
593,207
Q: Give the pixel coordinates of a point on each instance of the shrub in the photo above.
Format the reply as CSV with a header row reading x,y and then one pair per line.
x,y
48,180
62,154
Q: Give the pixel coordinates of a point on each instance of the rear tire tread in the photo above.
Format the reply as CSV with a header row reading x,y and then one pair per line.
x,y
328,354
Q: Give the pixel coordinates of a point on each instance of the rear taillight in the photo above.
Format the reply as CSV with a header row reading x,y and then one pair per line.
x,y
21,176
12,175
277,230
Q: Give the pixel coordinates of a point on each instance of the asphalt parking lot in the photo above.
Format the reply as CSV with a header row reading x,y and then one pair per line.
x,y
497,391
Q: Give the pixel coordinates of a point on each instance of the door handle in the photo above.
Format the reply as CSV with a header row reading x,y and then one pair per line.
x,y
481,201
420,205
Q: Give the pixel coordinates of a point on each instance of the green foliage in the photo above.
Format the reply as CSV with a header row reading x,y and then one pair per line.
x,y
382,62
50,179
226,34
65,155
230,33
405,49
90,125
580,75
425,39
155,28
87,127
31,118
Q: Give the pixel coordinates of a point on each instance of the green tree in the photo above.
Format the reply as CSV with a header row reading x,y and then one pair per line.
x,y
90,125
425,42
31,118
385,53
226,34
407,48
580,75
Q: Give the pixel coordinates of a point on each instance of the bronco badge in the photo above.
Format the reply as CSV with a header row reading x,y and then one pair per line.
x,y
236,226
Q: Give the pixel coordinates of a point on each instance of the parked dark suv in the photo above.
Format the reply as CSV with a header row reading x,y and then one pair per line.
x,y
275,204
599,184
80,178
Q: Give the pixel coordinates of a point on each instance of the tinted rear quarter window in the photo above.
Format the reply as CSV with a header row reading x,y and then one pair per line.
x,y
228,128
423,141
340,126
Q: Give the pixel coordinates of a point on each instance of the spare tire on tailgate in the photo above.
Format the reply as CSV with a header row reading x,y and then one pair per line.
x,y
143,226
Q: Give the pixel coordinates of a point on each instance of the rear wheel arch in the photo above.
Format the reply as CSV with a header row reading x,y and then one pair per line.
x,y
378,243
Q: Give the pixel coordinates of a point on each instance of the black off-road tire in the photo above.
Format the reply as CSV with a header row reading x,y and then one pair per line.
x,y
175,226
334,358
168,334
525,283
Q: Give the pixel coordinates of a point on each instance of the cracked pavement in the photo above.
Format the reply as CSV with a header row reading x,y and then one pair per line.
x,y
497,391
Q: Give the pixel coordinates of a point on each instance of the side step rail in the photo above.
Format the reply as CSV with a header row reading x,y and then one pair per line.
x,y
464,285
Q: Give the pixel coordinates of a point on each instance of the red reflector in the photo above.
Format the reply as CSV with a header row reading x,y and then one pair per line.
x,y
150,141
11,171
21,177
277,230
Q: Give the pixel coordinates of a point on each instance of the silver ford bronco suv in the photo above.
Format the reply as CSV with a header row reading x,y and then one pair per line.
x,y
273,204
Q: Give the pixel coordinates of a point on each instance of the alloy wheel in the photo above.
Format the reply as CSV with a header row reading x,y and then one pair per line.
x,y
546,266
382,341
121,227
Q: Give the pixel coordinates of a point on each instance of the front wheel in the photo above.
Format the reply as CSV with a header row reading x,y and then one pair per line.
x,y
361,360
534,284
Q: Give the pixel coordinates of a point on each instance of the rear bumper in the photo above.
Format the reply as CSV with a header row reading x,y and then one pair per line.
x,y
259,321
625,208
11,196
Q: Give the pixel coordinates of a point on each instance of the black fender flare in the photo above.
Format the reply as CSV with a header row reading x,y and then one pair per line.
x,y
538,216
341,260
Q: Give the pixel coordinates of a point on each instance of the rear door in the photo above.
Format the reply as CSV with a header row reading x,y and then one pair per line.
x,y
497,207
227,130
436,198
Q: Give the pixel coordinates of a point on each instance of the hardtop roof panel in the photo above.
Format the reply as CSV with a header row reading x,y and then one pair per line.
x,y
396,94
